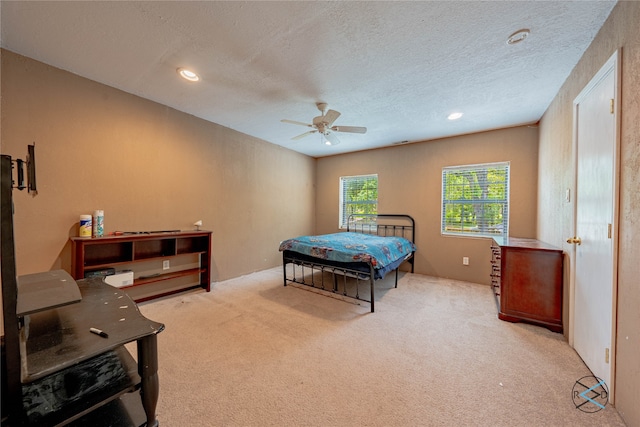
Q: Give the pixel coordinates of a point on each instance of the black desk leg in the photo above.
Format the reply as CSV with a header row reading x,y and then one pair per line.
x,y
148,371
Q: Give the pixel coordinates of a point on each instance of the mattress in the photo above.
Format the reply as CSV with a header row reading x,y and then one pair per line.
x,y
356,251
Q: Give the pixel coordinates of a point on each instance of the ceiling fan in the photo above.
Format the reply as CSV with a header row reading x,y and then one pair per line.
x,y
323,125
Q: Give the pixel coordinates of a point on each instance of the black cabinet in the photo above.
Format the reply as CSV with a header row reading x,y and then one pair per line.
x,y
70,375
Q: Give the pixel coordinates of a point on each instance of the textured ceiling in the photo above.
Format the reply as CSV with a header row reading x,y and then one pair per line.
x,y
397,68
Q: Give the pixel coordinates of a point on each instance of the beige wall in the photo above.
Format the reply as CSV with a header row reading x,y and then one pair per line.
x,y
410,182
149,167
556,171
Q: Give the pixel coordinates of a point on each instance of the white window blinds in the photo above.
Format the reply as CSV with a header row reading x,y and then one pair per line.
x,y
475,200
358,195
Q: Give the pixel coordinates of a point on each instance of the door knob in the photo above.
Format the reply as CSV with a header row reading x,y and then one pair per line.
x,y
575,240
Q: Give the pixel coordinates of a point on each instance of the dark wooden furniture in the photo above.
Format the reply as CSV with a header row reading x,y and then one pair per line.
x,y
63,375
55,371
527,281
162,263
311,271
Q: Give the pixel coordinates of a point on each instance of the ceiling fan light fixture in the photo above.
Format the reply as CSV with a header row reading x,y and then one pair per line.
x,y
188,74
455,116
518,36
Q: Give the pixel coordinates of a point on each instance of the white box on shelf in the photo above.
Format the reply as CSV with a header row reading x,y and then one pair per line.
x,y
120,279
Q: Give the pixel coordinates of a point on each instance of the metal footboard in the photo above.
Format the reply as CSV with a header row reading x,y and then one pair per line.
x,y
342,281
337,280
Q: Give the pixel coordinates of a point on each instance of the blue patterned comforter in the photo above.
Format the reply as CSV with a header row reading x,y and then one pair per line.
x,y
352,247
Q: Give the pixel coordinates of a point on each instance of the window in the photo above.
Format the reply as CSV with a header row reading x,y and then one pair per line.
x,y
475,200
358,195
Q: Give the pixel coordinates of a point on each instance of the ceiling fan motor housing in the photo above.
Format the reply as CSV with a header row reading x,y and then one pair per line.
x,y
320,124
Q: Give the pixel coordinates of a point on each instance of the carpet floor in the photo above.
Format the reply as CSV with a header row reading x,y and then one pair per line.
x,y
253,352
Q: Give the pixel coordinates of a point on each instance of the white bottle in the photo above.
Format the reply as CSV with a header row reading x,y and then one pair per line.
x,y
98,223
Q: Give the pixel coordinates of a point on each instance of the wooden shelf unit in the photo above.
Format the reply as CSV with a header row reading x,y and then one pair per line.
x,y
187,252
526,275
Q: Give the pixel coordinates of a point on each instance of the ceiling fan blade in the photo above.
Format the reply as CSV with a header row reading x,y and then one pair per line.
x,y
330,117
331,138
302,135
293,122
351,129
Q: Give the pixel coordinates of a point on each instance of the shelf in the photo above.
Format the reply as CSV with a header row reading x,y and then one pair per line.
x,y
126,411
107,253
189,245
154,248
167,276
44,291
145,255
82,388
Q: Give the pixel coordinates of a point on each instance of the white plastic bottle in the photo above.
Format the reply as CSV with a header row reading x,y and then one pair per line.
x,y
98,223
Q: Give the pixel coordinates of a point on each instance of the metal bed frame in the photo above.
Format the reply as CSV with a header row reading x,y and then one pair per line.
x,y
313,273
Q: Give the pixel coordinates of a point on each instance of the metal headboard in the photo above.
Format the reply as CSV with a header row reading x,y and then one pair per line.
x,y
383,225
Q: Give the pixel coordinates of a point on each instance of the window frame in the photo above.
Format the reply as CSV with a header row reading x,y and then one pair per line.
x,y
343,214
501,229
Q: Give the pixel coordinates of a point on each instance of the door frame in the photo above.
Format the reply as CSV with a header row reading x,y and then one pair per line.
x,y
613,64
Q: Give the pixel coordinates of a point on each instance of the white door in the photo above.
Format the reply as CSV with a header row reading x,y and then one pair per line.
x,y
596,223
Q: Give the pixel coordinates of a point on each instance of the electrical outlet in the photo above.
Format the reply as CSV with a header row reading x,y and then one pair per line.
x,y
166,265
465,260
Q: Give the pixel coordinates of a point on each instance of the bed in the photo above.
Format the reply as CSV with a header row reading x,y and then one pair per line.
x,y
349,263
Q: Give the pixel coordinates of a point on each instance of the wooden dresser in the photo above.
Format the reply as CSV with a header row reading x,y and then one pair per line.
x,y
526,275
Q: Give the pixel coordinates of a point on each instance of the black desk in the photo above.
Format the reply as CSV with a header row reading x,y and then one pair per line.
x,y
57,342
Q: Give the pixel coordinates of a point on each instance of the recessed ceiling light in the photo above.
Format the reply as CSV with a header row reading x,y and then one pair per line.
x,y
188,75
454,116
518,36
